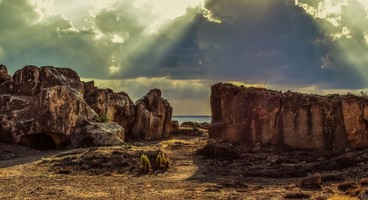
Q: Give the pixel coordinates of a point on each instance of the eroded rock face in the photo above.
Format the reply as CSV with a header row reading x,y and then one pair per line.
x,y
117,107
256,115
97,134
43,107
50,107
153,116
5,80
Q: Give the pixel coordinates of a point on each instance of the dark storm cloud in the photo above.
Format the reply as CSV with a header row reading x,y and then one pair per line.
x,y
256,41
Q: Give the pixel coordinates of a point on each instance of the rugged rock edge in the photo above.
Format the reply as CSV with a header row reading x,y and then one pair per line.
x,y
294,120
48,107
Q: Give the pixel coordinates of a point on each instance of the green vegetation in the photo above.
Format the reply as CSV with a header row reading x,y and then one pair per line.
x,y
162,161
146,164
103,119
364,94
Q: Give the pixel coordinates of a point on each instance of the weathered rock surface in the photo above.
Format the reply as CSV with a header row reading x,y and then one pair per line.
x,y
50,107
117,107
97,134
43,107
256,115
153,116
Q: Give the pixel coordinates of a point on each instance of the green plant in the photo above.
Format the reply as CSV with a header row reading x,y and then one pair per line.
x,y
103,119
364,94
162,161
145,162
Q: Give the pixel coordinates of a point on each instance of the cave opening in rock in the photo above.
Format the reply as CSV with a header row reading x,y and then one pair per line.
x,y
44,141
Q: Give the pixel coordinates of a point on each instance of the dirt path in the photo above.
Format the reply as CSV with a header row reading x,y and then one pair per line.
x,y
12,155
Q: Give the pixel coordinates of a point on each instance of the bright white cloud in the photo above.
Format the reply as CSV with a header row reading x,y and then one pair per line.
x,y
117,39
325,10
43,8
114,69
99,5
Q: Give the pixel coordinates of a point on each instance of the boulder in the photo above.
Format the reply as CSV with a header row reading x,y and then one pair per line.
x,y
97,134
117,107
293,120
153,116
5,80
44,107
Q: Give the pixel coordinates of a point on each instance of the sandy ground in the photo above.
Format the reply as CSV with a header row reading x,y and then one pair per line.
x,y
263,174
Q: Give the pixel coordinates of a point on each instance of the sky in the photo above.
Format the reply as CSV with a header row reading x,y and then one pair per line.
x,y
185,46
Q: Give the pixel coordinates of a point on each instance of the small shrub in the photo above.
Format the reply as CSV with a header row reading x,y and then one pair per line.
x,y
103,119
145,162
162,161
364,94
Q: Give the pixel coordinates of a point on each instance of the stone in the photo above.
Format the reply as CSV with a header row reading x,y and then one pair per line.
x,y
310,182
5,80
293,120
118,107
153,116
44,107
364,182
49,107
174,127
98,134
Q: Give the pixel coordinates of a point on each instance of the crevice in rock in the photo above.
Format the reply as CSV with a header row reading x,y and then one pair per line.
x,y
277,118
365,125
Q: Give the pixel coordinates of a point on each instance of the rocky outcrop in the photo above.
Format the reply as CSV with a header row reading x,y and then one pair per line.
x,y
117,107
256,115
50,107
42,107
97,134
153,116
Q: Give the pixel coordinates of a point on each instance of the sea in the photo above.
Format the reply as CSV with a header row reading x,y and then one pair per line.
x,y
198,119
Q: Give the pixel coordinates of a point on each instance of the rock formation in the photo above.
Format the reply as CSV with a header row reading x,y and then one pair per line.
x,y
50,107
153,116
117,107
301,121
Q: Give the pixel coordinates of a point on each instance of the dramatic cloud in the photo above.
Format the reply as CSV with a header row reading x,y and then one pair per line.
x,y
183,47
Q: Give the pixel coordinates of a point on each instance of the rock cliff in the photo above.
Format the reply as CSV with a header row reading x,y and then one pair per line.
x,y
294,120
50,107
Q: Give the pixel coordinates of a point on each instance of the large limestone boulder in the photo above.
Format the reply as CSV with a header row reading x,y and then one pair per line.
x,y
117,107
97,134
43,108
153,116
301,121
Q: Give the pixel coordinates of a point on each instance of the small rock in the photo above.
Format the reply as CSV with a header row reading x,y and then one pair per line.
x,y
257,147
310,182
364,182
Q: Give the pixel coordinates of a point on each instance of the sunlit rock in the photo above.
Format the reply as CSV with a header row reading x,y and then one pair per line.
x,y
301,121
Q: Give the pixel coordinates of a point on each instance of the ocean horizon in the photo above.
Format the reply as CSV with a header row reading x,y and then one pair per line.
x,y
198,119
